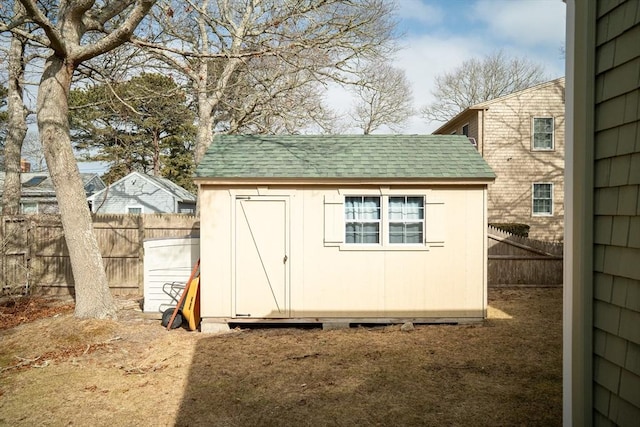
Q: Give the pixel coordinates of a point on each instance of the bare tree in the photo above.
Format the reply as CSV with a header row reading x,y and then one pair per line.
x,y
33,153
16,120
75,32
3,122
271,97
479,80
383,97
218,45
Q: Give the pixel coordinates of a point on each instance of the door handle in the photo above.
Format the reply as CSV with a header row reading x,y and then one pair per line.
x,y
284,260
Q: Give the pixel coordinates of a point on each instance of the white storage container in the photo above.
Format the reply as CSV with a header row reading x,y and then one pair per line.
x,y
168,262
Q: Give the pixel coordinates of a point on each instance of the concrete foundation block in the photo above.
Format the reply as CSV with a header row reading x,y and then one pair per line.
x,y
328,326
211,326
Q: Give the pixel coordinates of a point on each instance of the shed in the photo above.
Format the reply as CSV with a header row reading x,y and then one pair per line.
x,y
346,229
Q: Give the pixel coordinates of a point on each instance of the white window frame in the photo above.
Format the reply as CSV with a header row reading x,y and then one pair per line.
x,y
533,134
135,207
384,238
405,221
358,220
533,199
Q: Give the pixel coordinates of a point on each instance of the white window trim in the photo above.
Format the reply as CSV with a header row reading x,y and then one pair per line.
x,y
542,214
384,240
368,221
389,221
435,220
553,133
128,208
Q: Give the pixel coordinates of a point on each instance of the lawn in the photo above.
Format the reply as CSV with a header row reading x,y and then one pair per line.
x,y
505,371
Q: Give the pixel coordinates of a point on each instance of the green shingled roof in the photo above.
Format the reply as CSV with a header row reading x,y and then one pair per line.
x,y
342,156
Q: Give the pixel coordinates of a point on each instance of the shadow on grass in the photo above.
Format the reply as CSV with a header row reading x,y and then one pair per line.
x,y
504,371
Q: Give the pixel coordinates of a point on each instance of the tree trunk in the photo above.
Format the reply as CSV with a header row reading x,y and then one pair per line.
x,y
16,124
204,135
93,299
156,154
206,103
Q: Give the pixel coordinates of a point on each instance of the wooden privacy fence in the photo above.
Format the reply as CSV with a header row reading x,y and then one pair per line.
x,y
515,260
35,256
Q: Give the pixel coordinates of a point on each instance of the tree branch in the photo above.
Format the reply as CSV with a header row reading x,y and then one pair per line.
x,y
56,40
43,41
107,12
116,37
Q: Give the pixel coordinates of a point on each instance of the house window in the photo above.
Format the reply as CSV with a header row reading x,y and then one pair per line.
x,y
542,199
543,133
406,219
134,210
186,208
29,207
465,130
362,219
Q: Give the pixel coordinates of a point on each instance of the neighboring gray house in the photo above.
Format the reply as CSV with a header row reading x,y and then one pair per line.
x,y
138,193
39,196
602,210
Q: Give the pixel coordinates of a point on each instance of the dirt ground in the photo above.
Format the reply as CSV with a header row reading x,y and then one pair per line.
x,y
59,371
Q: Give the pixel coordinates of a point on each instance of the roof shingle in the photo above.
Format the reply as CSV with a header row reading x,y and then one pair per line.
x,y
342,156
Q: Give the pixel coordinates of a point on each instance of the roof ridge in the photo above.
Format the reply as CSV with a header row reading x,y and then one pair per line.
x,y
518,93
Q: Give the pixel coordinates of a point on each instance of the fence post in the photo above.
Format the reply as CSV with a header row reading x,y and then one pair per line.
x,y
3,280
141,254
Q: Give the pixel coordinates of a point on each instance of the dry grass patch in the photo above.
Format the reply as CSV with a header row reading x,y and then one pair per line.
x,y
506,371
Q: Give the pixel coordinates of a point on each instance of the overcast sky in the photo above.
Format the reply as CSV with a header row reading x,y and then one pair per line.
x,y
440,34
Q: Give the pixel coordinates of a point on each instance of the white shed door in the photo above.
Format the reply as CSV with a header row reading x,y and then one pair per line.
x,y
261,257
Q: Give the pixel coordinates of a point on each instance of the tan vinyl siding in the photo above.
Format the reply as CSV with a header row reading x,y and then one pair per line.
x,y
469,117
616,352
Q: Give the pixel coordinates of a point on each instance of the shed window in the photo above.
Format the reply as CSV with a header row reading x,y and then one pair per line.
x,y
406,219
384,219
543,133
362,219
384,222
542,199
